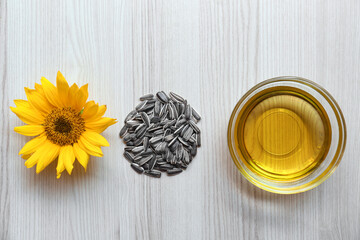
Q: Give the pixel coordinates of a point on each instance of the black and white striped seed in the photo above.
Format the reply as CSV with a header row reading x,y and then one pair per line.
x,y
137,168
161,133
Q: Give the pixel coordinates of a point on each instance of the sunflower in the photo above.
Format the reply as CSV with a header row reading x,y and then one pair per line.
x,y
66,125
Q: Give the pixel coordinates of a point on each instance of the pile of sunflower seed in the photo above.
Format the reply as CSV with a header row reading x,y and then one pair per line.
x,y
161,134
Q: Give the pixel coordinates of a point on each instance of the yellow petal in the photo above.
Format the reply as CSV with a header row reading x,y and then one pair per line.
x,y
100,112
36,155
21,103
51,93
49,155
33,144
38,102
26,156
26,104
90,111
89,104
60,167
100,125
95,138
30,130
33,159
39,89
81,97
67,158
81,155
72,95
62,88
89,147
28,115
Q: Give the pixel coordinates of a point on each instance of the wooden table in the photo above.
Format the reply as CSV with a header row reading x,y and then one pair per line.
x,y
211,52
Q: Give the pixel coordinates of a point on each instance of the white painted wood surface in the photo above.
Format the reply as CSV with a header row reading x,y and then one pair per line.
x,y
211,52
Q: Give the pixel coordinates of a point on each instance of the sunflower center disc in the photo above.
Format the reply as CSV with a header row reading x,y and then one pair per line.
x,y
64,126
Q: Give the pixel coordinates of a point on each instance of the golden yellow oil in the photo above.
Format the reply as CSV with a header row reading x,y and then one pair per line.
x,y
284,133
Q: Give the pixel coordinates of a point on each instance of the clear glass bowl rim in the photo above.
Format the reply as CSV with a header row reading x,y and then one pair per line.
x,y
340,121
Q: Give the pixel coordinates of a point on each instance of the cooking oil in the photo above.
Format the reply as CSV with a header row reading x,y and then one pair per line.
x,y
283,133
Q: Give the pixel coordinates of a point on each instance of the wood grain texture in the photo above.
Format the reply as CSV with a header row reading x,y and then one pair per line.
x,y
209,51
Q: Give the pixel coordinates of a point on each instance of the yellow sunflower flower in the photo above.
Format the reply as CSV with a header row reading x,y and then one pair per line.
x,y
68,126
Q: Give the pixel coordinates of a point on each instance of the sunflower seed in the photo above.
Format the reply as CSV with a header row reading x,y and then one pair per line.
x,y
138,157
188,111
138,141
152,162
147,97
128,148
187,134
146,166
145,118
180,122
129,157
144,160
183,166
131,143
159,162
186,158
154,128
193,126
158,132
162,96
130,115
161,147
167,132
159,168
184,130
137,168
138,128
137,150
123,131
198,140
168,138
153,173
171,113
172,141
141,105
154,140
146,143
177,131
172,172
172,160
183,142
132,123
129,137
154,146
179,152
170,123
193,150
192,139
163,118
196,114
174,110
173,144
147,107
176,97
181,108
157,108
147,152
163,111
155,119
167,166
141,133
162,134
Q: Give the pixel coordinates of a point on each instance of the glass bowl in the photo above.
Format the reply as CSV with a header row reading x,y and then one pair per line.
x,y
336,146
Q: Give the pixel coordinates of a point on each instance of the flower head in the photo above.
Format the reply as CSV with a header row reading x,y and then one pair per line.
x,y
66,125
